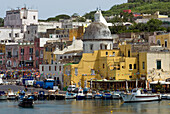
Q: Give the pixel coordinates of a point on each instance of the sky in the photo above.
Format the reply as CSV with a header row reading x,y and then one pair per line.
x,y
51,8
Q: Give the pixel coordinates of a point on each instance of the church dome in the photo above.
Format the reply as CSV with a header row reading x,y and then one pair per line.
x,y
97,31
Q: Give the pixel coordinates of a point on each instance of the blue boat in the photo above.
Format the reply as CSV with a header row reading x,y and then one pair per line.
x,y
70,95
107,95
98,95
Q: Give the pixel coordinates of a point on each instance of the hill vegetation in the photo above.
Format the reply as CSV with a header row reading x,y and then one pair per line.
x,y
138,7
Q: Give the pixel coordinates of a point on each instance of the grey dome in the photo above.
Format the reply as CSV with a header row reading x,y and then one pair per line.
x,y
97,31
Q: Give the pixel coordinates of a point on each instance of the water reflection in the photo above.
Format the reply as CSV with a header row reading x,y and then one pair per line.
x,y
88,106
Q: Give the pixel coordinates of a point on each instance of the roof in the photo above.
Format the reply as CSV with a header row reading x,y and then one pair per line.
x,y
76,46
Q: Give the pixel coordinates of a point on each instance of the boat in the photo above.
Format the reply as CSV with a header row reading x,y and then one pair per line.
x,y
98,95
26,102
137,96
116,95
89,95
41,95
51,94
60,96
168,96
107,95
165,96
11,95
80,94
70,95
3,95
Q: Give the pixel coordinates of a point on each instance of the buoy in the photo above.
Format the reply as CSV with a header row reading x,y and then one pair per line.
x,y
111,111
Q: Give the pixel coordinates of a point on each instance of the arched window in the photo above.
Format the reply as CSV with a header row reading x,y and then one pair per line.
x,y
159,42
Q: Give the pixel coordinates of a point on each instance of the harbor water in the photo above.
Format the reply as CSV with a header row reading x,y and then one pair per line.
x,y
86,107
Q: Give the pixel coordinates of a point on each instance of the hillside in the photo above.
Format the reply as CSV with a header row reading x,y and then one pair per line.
x,y
138,7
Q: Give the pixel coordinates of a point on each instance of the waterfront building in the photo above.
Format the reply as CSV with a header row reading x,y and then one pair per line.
x,y
2,56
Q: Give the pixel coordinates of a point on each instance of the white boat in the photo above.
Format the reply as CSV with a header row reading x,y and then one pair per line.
x,y
116,95
168,96
11,95
137,96
80,94
70,95
3,95
89,96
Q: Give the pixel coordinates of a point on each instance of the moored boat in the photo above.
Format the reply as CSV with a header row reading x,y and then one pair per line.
x,y
41,95
80,95
137,96
98,95
26,102
3,95
107,95
70,95
11,95
116,95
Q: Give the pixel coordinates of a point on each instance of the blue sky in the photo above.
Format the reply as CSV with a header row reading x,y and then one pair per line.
x,y
49,8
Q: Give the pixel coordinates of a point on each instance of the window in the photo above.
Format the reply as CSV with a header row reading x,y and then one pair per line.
x,y
100,46
91,46
159,42
10,35
37,53
16,34
134,66
166,43
92,72
0,62
105,46
51,55
61,57
158,64
113,53
76,71
59,68
106,53
130,66
34,17
49,68
42,68
55,68
28,32
130,76
22,51
51,61
31,50
103,66
143,64
128,53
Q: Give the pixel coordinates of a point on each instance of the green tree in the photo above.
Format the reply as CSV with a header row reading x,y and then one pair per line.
x,y
1,22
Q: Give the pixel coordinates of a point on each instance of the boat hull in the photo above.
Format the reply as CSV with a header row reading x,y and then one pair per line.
x,y
26,103
3,97
60,97
116,97
140,98
98,96
80,97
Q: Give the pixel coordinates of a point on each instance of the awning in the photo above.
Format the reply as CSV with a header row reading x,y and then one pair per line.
x,y
161,82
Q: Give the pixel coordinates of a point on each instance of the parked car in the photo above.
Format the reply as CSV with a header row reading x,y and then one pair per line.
x,y
71,88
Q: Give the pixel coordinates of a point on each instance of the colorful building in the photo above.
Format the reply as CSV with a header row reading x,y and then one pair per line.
x,y
163,40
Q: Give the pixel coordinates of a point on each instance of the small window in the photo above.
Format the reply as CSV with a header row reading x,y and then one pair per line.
x,y
42,68
76,71
61,57
134,66
130,66
128,53
166,43
130,76
49,68
106,53
28,32
159,42
59,68
103,66
55,68
91,46
34,17
100,46
105,46
158,64
113,53
51,61
143,64
92,72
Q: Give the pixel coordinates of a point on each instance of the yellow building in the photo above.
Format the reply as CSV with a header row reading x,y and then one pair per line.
x,y
163,40
117,64
76,32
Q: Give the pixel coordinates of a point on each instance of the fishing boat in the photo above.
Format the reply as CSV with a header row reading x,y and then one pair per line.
x,y
41,95
98,95
137,96
26,102
80,94
51,94
11,95
70,95
60,96
107,95
3,95
89,95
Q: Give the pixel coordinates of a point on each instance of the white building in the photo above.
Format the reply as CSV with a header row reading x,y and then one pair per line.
x,y
34,30
21,18
8,34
